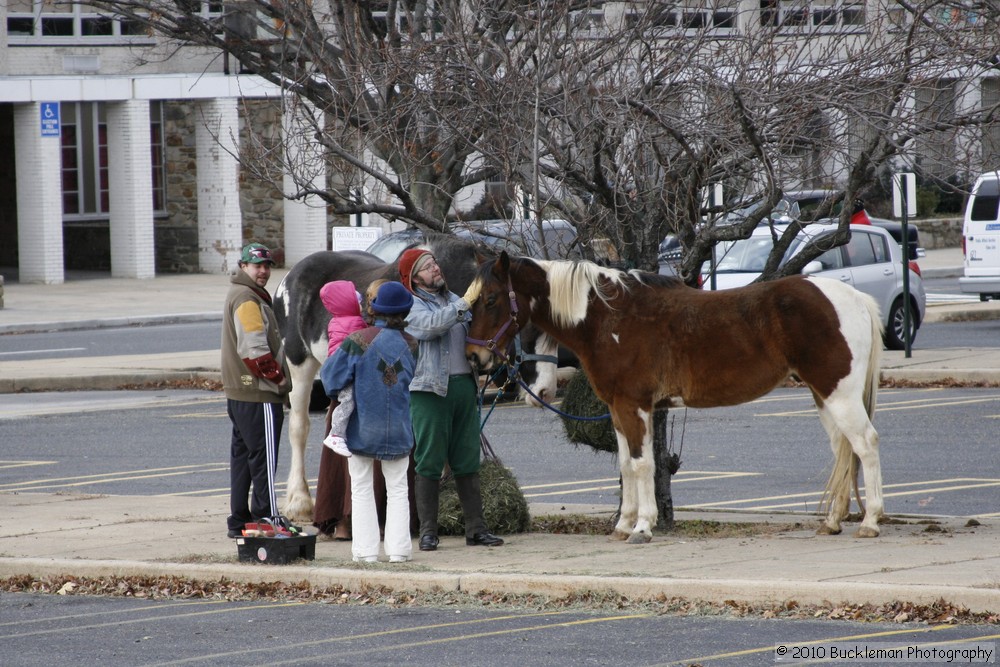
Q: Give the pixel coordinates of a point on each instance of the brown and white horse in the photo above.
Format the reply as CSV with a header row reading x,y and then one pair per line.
x,y
644,339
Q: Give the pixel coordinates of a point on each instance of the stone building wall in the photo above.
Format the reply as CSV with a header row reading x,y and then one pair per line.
x,y
940,232
260,204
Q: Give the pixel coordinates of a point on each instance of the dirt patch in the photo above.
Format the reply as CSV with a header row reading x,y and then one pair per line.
x,y
580,524
169,588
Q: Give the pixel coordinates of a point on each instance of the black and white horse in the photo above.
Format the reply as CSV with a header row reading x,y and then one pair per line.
x,y
302,320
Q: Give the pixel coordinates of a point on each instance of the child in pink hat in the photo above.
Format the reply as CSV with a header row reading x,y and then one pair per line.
x,y
344,304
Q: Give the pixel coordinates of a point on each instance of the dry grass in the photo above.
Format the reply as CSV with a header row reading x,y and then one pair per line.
x,y
579,524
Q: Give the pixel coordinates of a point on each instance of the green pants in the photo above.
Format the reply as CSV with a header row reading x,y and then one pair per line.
x,y
446,429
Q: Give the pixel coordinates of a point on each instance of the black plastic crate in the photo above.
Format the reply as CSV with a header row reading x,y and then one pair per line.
x,y
276,550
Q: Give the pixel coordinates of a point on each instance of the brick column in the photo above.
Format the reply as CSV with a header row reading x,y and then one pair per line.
x,y
130,185
220,221
305,219
38,166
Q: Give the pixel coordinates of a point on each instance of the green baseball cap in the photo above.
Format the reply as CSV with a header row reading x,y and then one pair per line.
x,y
256,253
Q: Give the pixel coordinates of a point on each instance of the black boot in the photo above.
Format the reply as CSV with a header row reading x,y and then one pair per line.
x,y
425,494
471,498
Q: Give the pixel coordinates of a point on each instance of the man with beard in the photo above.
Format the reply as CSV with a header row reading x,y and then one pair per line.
x,y
443,400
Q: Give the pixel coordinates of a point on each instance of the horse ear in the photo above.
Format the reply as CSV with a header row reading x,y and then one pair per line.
x,y
505,261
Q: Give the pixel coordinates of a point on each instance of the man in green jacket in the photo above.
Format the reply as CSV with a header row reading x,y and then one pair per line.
x,y
256,381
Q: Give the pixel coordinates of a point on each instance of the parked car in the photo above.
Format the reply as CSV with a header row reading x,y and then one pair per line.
x,y
981,239
517,237
871,262
797,205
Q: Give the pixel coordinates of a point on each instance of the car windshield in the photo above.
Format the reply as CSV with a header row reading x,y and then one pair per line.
x,y
746,255
497,240
388,247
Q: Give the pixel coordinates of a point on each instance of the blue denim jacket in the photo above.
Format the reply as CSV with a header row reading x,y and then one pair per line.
x,y
429,321
379,363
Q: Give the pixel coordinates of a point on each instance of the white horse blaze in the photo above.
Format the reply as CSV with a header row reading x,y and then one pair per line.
x,y
546,383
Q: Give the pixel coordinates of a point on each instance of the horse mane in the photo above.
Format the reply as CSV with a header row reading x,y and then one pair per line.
x,y
570,283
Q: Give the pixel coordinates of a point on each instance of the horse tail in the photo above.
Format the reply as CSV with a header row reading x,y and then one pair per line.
x,y
874,370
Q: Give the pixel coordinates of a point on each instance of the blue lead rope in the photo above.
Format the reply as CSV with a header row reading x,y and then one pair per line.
x,y
481,395
606,415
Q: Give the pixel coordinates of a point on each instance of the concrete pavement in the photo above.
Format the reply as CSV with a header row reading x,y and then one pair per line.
x,y
44,534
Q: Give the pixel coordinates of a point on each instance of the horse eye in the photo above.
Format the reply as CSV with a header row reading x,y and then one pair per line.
x,y
491,300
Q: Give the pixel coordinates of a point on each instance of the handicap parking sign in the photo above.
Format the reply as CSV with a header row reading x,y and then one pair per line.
x,y
50,119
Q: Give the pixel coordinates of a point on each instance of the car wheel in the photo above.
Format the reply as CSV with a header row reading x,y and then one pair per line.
x,y
893,336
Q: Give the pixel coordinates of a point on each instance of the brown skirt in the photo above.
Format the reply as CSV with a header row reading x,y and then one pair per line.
x,y
333,490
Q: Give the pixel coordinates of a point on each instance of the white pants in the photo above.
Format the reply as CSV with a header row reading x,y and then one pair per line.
x,y
364,517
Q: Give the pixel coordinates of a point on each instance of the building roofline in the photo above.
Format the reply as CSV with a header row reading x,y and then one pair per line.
x,y
89,88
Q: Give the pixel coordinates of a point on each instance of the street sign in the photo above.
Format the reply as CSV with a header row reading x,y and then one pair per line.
x,y
354,238
901,182
50,119
904,204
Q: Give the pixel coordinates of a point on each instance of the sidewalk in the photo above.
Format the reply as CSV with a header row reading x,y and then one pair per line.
x,y
91,536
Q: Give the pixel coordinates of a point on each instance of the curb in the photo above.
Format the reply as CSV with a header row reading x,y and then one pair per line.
x,y
105,382
109,323
976,600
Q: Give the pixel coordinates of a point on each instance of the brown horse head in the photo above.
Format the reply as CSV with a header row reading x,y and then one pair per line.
x,y
501,310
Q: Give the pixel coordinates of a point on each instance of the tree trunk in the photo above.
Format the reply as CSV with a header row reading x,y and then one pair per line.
x,y
667,464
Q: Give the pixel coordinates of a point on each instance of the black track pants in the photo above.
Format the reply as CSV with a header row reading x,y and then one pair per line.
x,y
253,460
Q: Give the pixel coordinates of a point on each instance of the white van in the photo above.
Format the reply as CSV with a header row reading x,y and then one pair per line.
x,y
981,238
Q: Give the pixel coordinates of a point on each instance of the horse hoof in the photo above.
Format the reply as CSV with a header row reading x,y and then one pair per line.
x,y
826,530
298,509
619,535
639,538
865,531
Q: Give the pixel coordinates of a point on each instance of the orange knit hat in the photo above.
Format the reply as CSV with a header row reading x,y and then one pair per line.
x,y
410,262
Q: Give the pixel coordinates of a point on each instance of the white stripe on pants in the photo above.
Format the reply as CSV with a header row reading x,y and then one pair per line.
x,y
364,517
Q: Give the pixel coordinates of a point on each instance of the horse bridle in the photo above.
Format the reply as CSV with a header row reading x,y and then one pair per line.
x,y
514,367
491,343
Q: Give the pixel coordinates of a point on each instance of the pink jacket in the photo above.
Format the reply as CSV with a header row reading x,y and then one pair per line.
x,y
342,300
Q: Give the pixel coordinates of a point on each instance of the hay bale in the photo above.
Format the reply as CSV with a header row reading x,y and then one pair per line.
x,y
504,507
580,400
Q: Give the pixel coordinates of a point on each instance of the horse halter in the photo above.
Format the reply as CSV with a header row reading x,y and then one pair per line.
x,y
491,343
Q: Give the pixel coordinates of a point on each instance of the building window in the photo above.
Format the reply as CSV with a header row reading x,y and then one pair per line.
x,y
952,15
158,151
63,22
85,177
794,16
716,16
991,134
935,149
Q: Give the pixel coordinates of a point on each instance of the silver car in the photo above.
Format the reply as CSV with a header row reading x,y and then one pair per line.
x,y
871,262
517,237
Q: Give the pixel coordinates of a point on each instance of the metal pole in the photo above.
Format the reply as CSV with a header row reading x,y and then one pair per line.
x,y
906,275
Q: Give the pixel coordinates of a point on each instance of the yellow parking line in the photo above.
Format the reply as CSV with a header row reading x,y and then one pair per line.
x,y
103,478
847,638
7,465
979,483
568,491
892,407
893,495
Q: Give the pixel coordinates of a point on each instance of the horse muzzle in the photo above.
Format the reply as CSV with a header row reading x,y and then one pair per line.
x,y
480,358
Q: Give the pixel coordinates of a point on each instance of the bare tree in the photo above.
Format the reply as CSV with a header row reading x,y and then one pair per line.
x,y
381,90
629,124
618,115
